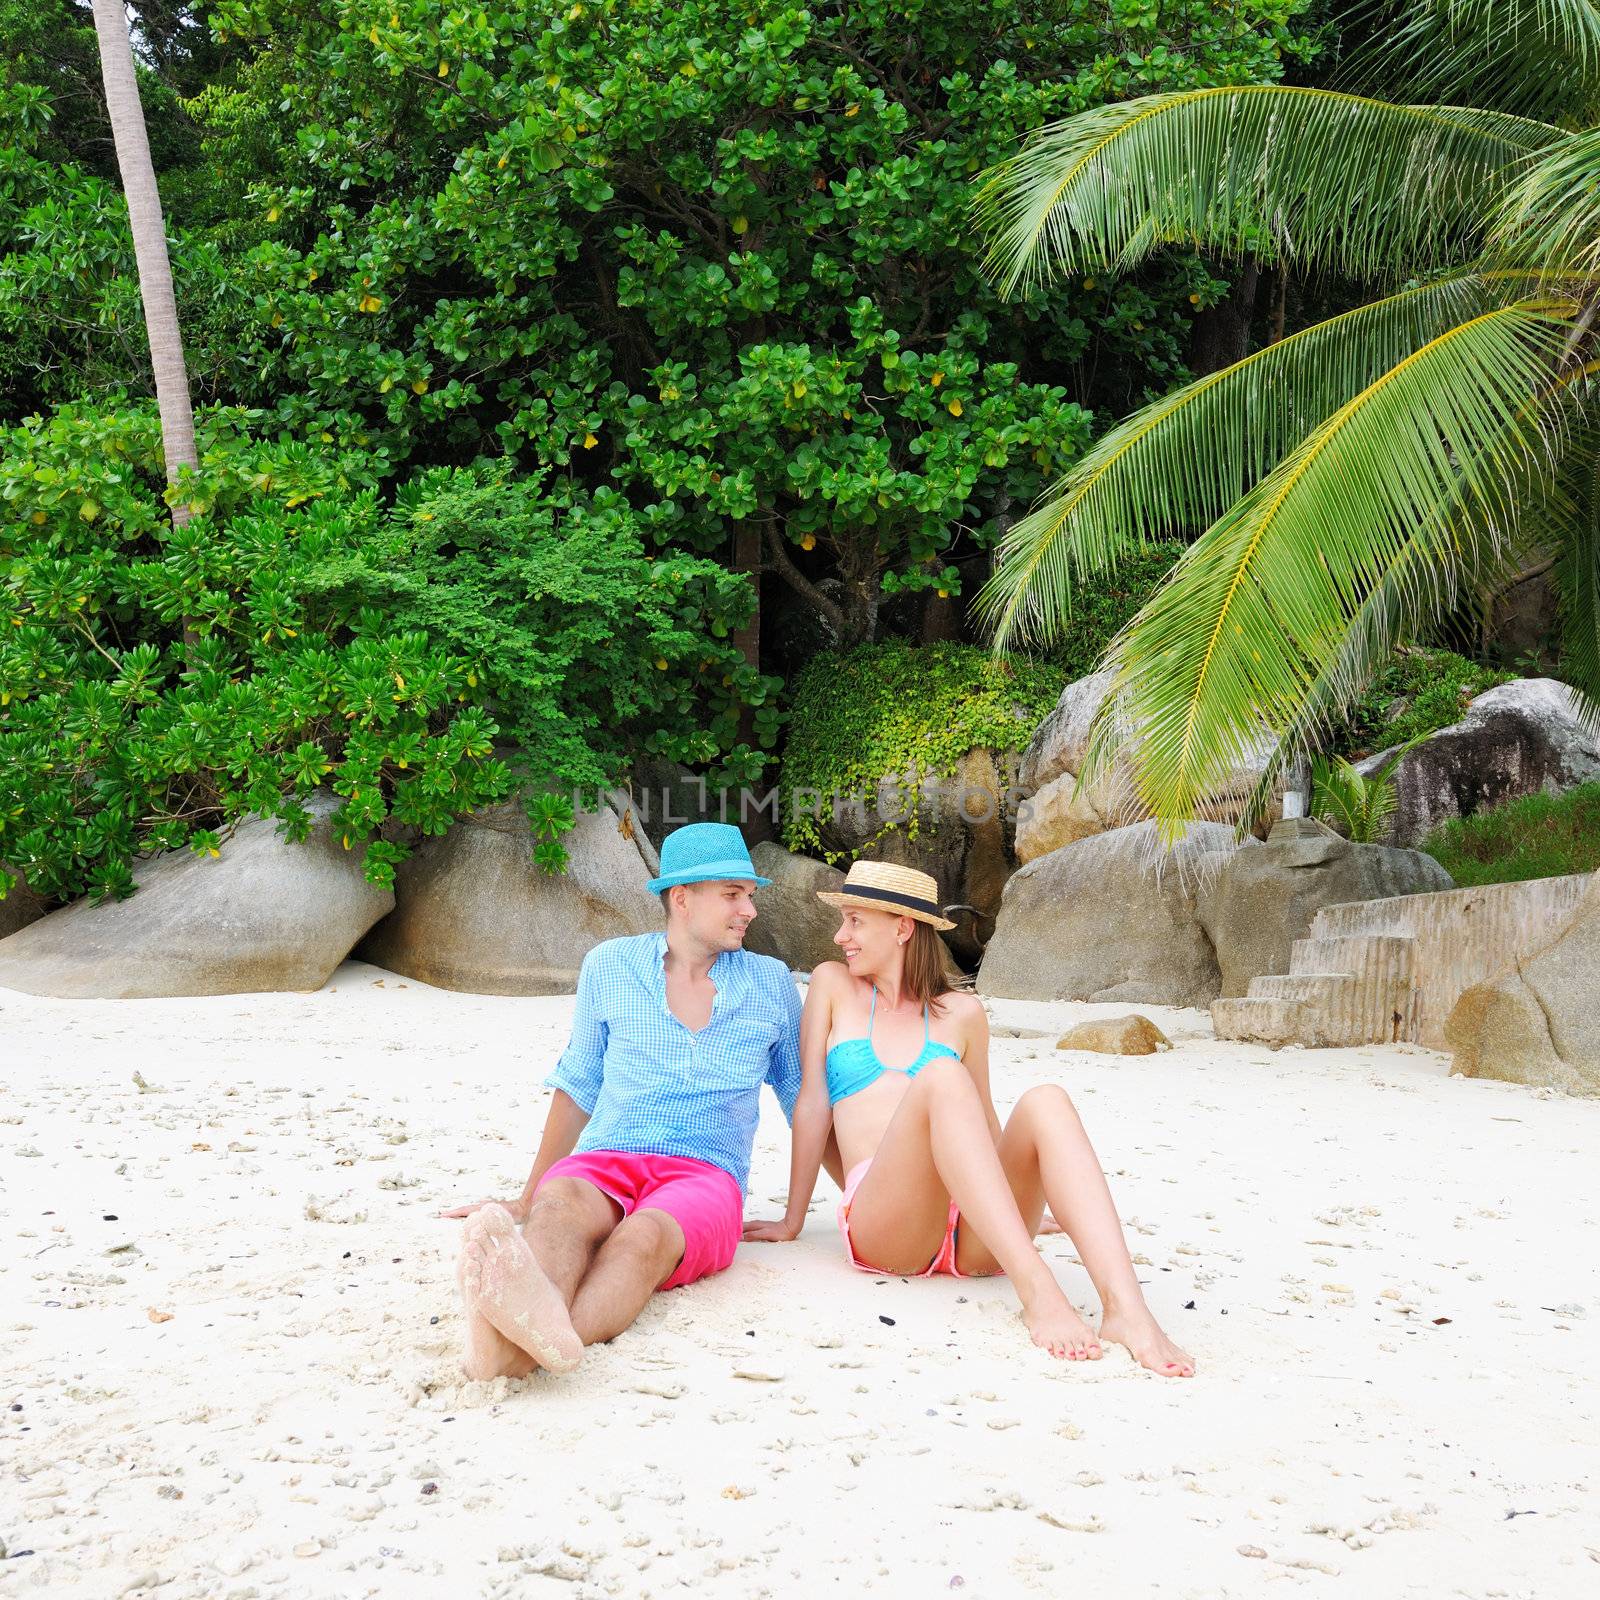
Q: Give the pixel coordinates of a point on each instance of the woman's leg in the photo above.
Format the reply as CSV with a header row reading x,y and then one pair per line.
x,y
937,1147
1046,1155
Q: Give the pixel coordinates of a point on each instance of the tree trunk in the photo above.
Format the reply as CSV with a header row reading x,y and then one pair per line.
x,y
1221,333
149,242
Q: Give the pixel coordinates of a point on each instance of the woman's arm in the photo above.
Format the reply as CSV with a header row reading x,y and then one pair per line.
x,y
975,1056
813,1113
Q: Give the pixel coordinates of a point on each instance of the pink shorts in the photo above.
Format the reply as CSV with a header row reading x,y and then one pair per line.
x,y
701,1198
944,1260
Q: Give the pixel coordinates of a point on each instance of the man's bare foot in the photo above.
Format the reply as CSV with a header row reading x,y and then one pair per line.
x,y
1143,1339
488,1353
1056,1327
504,1284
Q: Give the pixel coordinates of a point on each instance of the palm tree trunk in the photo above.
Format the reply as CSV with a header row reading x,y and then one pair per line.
x,y
149,242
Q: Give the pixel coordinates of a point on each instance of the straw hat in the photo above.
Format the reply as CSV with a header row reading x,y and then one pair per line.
x,y
882,886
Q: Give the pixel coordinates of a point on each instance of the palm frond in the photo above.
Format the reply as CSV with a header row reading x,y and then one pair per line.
x,y
1577,570
1341,794
1550,218
1176,465
1404,495
1278,172
1535,58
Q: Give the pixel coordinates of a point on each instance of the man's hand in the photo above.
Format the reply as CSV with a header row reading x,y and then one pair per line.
x,y
769,1233
518,1208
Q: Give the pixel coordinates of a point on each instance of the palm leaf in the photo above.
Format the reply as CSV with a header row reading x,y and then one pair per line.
x,y
1402,497
1277,172
1577,570
1537,58
1179,463
1550,218
1362,803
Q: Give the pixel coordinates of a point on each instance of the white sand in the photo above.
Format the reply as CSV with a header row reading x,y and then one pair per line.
x,y
1397,1387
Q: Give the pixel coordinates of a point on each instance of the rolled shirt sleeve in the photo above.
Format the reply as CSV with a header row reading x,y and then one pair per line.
x,y
784,1072
581,1069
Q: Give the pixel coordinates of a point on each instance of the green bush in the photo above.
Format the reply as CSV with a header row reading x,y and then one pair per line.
x,y
1100,610
1419,692
1536,836
878,710
590,649
157,684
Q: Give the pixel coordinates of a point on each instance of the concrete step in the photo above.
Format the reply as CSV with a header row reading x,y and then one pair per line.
x,y
1386,956
1339,1008
1259,1020
1329,1007
1464,936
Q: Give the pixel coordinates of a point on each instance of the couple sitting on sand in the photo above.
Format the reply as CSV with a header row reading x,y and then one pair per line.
x,y
640,1178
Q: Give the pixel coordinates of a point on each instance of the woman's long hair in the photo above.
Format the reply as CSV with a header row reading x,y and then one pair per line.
x,y
930,973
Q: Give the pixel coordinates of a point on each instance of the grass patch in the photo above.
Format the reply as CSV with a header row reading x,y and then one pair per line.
x,y
1538,836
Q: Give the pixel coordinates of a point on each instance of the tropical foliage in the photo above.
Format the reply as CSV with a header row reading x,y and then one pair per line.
x,y
1417,692
1358,804
159,682
714,255
1353,483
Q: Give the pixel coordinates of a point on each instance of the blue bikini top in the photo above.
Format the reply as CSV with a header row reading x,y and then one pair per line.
x,y
853,1064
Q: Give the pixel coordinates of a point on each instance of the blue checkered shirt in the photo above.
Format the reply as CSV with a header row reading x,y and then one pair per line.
x,y
650,1085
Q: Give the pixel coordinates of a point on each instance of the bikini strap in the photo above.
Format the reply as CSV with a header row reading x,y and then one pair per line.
x,y
924,1024
872,1011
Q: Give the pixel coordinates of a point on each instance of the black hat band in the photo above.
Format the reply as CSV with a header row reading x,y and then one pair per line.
x,y
890,897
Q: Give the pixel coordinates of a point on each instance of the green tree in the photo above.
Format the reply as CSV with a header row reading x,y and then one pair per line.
x,y
710,252
1354,481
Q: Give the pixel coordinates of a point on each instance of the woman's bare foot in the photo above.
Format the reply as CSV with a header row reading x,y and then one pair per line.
x,y
503,1284
1056,1327
1142,1338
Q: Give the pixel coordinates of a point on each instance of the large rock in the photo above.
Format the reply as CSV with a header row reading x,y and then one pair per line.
x,y
1539,1021
1061,742
1056,810
474,912
959,830
1112,917
1520,738
265,914
791,923
1063,812
1267,895
21,905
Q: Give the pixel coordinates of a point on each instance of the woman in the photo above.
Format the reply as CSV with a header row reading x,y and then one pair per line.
x,y
896,1060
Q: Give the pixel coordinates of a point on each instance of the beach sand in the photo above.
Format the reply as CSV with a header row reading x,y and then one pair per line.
x,y
231,1335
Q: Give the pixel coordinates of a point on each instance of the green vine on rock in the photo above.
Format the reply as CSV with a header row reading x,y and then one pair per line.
x,y
904,712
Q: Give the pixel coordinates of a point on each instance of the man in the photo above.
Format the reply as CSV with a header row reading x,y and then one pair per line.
x,y
640,1177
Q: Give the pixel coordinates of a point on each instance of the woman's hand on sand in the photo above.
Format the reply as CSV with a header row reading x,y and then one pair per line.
x,y
769,1233
518,1208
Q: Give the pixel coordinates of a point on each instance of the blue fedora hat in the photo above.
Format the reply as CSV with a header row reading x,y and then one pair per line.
x,y
702,853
